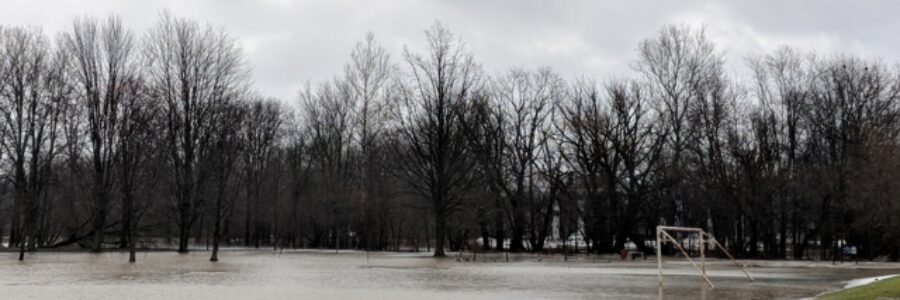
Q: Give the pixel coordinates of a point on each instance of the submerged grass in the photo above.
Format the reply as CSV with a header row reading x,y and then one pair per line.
x,y
887,288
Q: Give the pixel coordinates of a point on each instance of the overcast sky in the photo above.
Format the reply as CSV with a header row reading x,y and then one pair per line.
x,y
290,42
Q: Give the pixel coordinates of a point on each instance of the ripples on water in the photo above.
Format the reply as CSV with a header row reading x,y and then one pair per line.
x,y
354,275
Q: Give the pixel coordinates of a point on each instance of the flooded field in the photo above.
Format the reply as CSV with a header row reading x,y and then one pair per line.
x,y
261,274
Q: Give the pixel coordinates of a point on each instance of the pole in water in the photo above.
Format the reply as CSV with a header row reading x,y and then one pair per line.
x,y
659,256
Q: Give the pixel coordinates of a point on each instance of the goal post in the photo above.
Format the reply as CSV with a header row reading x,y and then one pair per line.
x,y
706,239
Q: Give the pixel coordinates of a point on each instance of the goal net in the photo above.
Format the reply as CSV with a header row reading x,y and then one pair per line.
x,y
706,242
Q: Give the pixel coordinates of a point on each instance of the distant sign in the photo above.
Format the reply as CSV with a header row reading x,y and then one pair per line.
x,y
849,250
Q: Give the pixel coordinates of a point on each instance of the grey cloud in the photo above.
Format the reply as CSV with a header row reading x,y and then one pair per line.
x,y
289,42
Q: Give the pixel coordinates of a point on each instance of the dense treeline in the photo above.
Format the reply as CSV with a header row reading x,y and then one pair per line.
x,y
112,139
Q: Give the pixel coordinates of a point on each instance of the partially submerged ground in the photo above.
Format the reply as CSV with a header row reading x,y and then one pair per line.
x,y
261,274
877,288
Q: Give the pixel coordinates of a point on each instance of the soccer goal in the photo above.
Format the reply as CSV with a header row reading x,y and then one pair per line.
x,y
663,236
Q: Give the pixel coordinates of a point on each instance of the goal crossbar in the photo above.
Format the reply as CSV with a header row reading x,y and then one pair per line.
x,y
662,236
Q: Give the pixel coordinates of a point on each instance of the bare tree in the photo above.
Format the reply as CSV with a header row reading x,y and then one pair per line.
x,y
677,65
369,75
194,71
33,91
138,140
487,137
854,109
799,161
783,87
523,103
104,66
638,140
224,158
328,117
432,116
586,151
297,162
259,133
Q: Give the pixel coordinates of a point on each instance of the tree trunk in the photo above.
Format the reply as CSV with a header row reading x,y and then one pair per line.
x,y
482,225
518,230
439,234
127,234
427,237
499,232
22,252
184,235
215,251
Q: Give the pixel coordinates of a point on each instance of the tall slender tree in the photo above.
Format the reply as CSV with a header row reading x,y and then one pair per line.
x,y
433,108
104,67
194,71
33,92
369,75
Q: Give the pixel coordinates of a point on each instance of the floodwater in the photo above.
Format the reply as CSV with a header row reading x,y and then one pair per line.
x,y
261,274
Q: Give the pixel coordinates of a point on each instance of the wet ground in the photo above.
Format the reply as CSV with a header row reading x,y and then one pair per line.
x,y
261,274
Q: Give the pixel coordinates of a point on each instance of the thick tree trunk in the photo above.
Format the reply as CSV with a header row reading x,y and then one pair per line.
x,y
131,251
439,234
132,244
22,252
101,197
518,230
216,233
184,235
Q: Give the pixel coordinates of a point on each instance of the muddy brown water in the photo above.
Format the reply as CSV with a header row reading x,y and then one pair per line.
x,y
260,274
